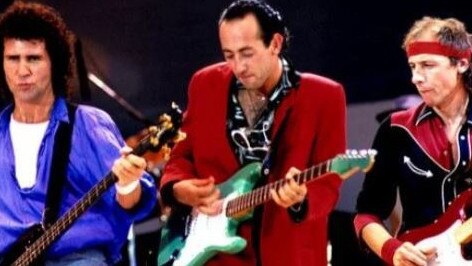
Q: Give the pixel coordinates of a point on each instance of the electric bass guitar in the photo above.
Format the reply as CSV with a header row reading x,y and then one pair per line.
x,y
27,250
450,234
202,236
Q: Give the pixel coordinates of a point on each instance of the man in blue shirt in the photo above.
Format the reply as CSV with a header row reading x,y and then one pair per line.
x,y
37,60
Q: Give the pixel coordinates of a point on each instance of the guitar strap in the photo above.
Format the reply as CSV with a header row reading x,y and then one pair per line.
x,y
58,173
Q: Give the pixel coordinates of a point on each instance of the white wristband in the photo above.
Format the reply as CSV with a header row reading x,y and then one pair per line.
x,y
127,189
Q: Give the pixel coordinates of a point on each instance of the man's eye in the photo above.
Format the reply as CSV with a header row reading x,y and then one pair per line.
x,y
12,58
428,64
34,58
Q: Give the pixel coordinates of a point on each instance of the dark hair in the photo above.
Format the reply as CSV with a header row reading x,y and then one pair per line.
x,y
270,21
450,32
34,21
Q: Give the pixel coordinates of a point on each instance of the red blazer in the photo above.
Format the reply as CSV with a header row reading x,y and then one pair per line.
x,y
315,131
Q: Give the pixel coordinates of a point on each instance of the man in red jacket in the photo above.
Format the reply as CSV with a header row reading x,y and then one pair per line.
x,y
255,107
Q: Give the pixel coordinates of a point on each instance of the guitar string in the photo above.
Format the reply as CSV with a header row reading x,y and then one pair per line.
x,y
41,243
253,198
77,209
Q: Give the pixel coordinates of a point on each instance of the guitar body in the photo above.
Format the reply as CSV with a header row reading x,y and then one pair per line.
x,y
202,236
442,234
449,252
21,246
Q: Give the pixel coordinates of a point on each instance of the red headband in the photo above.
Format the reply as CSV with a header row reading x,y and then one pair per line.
x,y
415,48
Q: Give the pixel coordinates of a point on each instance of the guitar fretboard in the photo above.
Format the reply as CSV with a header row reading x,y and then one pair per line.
x,y
262,194
65,221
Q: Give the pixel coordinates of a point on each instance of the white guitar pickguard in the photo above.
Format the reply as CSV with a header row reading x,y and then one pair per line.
x,y
448,250
206,234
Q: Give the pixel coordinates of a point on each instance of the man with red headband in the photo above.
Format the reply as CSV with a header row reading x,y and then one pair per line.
x,y
423,152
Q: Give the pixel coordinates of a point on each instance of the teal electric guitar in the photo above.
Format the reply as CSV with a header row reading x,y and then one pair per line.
x,y
195,238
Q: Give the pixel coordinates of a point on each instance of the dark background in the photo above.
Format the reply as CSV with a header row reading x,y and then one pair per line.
x,y
147,50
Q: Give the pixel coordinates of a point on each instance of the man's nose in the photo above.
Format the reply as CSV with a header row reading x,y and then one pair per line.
x,y
417,77
24,69
240,65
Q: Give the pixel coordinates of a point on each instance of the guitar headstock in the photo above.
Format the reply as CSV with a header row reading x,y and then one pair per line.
x,y
165,132
353,159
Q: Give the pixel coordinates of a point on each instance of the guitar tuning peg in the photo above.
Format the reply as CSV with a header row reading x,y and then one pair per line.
x,y
372,152
363,153
349,154
354,152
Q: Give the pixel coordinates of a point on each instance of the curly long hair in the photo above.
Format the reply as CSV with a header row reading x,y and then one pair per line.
x,y
34,21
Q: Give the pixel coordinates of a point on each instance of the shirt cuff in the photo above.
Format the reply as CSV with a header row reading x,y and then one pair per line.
x,y
363,219
298,211
167,194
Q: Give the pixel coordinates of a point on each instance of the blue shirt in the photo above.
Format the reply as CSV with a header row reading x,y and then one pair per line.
x,y
96,142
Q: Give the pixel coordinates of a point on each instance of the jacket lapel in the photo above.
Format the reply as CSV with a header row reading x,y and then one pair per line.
x,y
282,113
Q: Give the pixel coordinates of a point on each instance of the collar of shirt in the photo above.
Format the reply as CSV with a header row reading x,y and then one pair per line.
x,y
58,113
429,113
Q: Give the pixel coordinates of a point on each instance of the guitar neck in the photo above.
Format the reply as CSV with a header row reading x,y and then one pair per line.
x,y
261,195
52,233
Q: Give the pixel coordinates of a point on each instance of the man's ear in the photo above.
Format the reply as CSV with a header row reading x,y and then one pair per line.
x,y
462,65
277,43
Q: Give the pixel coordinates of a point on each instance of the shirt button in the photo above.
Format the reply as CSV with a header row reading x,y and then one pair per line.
x,y
462,137
464,163
445,153
449,203
449,180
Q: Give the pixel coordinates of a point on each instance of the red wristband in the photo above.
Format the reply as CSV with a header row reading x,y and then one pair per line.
x,y
389,248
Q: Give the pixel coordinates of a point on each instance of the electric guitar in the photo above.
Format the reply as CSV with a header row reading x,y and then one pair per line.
x,y
203,236
449,234
27,250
